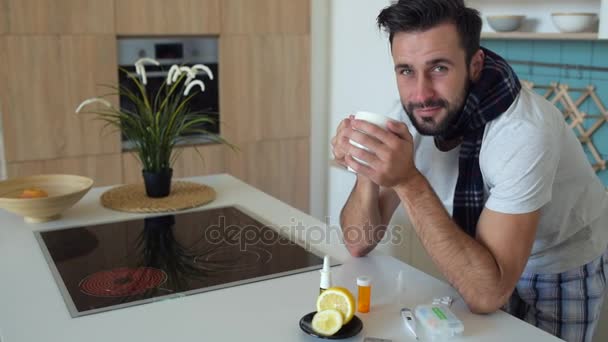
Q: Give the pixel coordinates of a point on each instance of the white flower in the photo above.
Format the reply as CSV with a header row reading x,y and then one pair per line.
x,y
140,70
191,73
140,62
190,78
176,74
192,84
204,68
93,100
174,69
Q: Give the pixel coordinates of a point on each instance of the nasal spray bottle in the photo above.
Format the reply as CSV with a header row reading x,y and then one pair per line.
x,y
325,275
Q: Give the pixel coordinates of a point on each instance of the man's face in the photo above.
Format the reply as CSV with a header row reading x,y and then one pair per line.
x,y
432,77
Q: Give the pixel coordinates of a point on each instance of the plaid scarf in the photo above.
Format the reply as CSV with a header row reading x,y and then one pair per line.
x,y
488,98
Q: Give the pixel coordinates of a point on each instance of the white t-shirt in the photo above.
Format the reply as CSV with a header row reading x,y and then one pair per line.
x,y
531,159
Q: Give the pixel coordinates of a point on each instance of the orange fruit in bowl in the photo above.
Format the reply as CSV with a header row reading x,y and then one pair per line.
x,y
34,193
60,191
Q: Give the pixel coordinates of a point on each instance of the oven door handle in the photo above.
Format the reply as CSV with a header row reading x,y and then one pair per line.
x,y
161,74
150,74
157,73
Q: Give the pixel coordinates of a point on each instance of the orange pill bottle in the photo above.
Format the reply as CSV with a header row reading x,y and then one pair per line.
x,y
364,286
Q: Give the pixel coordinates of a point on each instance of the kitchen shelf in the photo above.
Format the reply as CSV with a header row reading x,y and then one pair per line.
x,y
539,36
538,24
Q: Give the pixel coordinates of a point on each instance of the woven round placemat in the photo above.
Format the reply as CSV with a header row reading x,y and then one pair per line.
x,y
133,198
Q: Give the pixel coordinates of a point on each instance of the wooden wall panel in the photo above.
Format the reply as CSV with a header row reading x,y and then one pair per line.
x,y
30,130
295,16
265,94
3,80
104,169
271,75
146,17
3,103
3,16
188,164
279,168
60,16
88,62
49,76
210,161
265,16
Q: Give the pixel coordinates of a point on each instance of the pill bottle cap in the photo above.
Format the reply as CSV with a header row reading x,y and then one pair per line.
x,y
364,281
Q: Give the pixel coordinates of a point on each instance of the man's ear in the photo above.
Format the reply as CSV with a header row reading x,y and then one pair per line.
x,y
476,65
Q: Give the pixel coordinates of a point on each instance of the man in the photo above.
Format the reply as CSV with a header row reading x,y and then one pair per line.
x,y
496,186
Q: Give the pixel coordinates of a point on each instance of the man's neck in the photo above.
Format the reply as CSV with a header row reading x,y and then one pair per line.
x,y
447,145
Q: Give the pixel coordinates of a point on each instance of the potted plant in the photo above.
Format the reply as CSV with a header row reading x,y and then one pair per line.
x,y
158,121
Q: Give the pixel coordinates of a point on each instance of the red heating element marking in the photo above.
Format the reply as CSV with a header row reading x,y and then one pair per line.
x,y
122,282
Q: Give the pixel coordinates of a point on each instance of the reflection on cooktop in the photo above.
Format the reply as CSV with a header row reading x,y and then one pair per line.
x,y
122,282
109,266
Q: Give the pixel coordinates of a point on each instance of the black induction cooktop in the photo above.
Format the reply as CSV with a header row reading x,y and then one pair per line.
x,y
108,266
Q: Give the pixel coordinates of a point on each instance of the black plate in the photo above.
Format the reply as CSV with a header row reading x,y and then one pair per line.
x,y
350,329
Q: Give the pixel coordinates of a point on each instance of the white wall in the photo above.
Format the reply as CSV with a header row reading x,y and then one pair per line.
x,y
319,83
360,78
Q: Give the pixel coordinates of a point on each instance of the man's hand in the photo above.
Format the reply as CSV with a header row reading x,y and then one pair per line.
x,y
390,155
339,144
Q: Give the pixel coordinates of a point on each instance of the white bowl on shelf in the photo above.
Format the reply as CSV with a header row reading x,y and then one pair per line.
x,y
574,22
505,23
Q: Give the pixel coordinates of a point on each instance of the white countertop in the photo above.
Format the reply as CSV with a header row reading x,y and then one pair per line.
x,y
32,308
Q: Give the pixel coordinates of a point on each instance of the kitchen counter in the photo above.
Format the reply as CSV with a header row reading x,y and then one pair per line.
x,y
32,308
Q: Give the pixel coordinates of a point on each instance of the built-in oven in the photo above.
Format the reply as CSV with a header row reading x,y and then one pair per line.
x,y
168,51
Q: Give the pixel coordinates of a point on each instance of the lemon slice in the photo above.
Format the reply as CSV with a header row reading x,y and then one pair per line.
x,y
327,322
337,298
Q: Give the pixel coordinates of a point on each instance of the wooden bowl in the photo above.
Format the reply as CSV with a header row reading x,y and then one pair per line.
x,y
63,192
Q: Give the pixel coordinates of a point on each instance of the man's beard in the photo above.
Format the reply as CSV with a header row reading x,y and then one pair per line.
x,y
429,126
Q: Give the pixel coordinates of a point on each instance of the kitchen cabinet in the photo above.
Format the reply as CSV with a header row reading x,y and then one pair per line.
x,y
3,93
188,164
59,16
265,16
55,53
538,23
278,167
3,16
265,94
154,17
104,169
49,76
271,75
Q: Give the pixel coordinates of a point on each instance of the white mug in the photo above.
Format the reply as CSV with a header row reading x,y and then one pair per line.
x,y
376,119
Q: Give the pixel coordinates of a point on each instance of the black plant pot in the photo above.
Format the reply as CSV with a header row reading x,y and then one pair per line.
x,y
158,184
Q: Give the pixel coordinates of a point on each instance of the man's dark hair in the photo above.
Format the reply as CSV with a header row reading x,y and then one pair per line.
x,y
421,15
